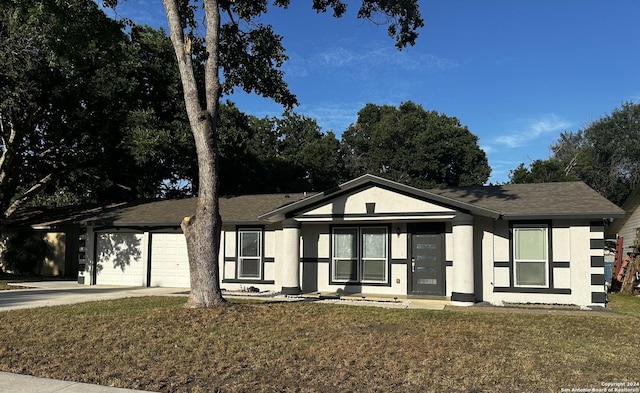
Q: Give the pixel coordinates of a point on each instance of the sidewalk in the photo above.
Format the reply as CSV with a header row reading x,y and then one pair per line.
x,y
18,383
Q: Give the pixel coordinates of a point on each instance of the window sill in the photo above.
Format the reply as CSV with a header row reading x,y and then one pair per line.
x,y
360,283
557,291
247,281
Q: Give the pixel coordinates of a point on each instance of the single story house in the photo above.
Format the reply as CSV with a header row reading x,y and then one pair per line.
x,y
516,243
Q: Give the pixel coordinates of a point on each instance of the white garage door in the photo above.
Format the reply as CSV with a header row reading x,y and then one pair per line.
x,y
169,260
119,257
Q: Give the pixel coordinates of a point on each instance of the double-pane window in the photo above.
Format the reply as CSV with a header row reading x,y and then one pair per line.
x,y
531,255
360,254
249,253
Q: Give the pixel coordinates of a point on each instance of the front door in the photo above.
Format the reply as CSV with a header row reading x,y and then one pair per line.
x,y
427,269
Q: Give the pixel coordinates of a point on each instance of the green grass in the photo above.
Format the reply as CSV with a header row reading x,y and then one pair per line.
x,y
624,304
157,344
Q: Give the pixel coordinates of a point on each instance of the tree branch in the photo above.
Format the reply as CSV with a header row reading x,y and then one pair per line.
x,y
27,194
7,148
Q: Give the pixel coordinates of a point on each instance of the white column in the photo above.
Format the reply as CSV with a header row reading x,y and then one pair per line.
x,y
463,291
291,257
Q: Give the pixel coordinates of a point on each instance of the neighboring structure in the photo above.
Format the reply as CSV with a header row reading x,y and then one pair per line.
x,y
627,228
59,228
524,243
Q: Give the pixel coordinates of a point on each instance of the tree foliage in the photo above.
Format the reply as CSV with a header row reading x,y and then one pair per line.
x,y
49,100
23,251
272,155
413,146
541,171
88,113
605,155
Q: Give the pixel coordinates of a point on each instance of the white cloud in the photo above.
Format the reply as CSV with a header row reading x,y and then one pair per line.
x,y
333,116
533,129
487,148
376,55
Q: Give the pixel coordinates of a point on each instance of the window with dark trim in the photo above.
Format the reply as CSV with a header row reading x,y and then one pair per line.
x,y
530,252
360,255
249,253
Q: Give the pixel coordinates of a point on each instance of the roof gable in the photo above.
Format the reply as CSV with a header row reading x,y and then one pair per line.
x,y
372,201
364,182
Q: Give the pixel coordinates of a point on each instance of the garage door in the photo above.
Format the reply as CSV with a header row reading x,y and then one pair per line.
x,y
119,259
169,260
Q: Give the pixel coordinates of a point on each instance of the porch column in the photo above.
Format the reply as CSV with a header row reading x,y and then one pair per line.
x,y
291,257
463,291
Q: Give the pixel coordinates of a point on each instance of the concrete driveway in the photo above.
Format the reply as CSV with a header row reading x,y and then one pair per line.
x,y
54,293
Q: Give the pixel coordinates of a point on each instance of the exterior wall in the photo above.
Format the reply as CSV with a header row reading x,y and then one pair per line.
x,y
86,257
271,259
386,201
272,253
54,263
576,265
628,231
486,275
448,247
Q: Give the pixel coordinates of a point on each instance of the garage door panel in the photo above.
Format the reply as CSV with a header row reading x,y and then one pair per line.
x,y
119,259
169,260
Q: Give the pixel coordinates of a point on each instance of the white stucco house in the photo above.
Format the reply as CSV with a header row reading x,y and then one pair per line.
x,y
526,243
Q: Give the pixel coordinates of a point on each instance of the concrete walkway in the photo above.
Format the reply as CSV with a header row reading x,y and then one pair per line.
x,y
18,383
55,293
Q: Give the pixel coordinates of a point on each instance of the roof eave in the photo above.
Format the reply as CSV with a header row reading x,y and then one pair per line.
x,y
562,216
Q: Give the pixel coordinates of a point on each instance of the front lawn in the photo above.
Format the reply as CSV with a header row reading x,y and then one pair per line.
x,y
156,344
624,304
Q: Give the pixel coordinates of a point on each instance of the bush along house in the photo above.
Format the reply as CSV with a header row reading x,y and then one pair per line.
x,y
519,243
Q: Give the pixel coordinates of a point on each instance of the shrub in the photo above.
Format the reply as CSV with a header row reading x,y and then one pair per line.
x,y
23,251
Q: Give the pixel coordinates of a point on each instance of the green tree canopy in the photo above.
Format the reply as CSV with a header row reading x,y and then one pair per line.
x,y
58,82
88,113
271,154
541,171
605,155
413,146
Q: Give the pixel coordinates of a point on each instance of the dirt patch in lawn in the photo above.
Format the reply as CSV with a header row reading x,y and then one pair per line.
x,y
156,344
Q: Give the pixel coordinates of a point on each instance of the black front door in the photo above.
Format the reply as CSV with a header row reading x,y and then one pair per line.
x,y
427,269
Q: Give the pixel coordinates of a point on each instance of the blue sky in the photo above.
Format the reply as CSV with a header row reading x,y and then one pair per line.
x,y
517,73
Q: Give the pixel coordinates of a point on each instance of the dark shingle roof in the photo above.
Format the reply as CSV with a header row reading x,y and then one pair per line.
x,y
510,201
239,209
552,200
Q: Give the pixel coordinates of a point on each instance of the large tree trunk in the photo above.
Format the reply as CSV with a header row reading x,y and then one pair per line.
x,y
202,231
